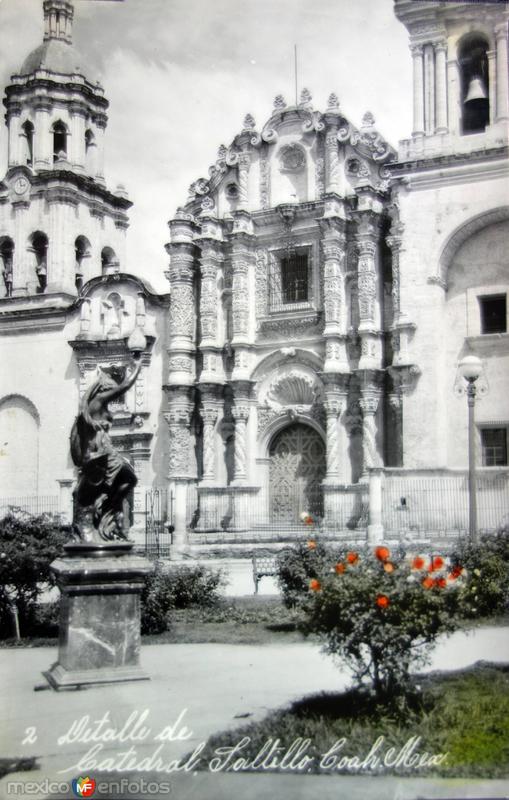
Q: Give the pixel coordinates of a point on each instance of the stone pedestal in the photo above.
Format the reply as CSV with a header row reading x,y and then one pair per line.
x,y
99,641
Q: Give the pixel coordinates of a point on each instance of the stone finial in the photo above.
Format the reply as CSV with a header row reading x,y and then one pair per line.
x,y
332,102
249,123
305,97
221,152
121,191
368,120
279,102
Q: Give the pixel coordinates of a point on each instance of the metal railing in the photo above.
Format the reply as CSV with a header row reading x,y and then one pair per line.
x,y
32,504
158,522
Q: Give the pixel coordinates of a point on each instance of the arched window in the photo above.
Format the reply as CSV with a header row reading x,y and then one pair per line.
x,y
19,434
7,256
109,261
28,132
475,104
59,141
40,250
82,251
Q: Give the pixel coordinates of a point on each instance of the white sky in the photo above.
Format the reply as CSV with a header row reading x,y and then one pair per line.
x,y
181,75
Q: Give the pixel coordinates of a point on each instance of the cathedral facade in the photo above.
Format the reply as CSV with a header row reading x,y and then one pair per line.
x,y
323,288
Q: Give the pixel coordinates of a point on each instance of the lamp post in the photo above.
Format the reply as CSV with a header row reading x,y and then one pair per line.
x,y
470,367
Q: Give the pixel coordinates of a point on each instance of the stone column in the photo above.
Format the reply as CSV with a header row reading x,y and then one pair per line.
x,y
14,142
61,264
180,467
209,417
43,144
429,89
99,160
242,301
334,405
240,414
332,165
441,87
396,434
77,139
502,77
394,240
243,167
368,290
418,86
181,345
454,96
21,267
370,398
335,332
211,263
492,79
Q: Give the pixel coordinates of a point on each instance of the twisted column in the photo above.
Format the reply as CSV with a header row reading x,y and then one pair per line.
x,y
369,405
240,414
209,416
333,170
333,408
244,163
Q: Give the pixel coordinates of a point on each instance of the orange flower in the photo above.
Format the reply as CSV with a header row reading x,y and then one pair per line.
x,y
340,568
388,567
311,544
437,562
418,563
382,601
382,553
456,572
441,583
428,583
315,585
306,518
352,558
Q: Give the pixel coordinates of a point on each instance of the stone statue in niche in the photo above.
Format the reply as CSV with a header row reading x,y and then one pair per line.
x,y
105,477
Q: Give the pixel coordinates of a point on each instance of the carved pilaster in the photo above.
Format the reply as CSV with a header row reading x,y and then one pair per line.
x,y
368,231
333,247
394,240
242,302
182,304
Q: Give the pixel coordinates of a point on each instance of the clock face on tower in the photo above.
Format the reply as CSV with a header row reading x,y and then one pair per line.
x,y
21,185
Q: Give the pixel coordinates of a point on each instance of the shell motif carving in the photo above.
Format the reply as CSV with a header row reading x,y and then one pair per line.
x,y
293,389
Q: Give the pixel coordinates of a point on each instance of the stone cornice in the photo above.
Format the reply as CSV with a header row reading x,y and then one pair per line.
x,y
114,280
402,168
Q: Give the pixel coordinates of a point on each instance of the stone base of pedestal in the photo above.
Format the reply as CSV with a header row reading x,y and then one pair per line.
x,y
99,639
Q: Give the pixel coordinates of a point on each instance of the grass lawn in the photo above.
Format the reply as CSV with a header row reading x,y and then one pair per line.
x,y
463,714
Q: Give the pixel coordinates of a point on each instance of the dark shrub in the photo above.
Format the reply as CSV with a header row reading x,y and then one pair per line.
x,y
178,587
488,564
28,545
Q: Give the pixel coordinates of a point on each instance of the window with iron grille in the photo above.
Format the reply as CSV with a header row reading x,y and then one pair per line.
x,y
494,447
294,278
493,313
290,283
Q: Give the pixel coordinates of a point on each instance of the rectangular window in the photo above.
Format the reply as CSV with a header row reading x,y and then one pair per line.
x,y
294,278
493,313
494,447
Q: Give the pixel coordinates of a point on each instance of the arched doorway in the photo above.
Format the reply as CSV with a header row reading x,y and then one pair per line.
x,y
297,469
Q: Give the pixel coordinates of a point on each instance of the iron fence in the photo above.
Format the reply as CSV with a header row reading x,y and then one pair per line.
x,y
32,504
424,503
158,522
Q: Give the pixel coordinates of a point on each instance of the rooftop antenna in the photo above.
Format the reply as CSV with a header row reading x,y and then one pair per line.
x,y
295,61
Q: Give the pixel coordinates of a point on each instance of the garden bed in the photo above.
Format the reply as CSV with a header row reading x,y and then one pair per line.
x,y
460,718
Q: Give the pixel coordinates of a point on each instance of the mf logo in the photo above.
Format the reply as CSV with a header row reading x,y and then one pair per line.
x,y
83,787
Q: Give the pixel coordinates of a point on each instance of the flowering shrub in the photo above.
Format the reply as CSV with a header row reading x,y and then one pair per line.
x,y
488,563
380,612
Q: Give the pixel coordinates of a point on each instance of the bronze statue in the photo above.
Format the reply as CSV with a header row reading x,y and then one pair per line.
x,y
105,477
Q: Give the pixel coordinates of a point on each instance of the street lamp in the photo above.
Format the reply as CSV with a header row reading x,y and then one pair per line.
x,y
470,367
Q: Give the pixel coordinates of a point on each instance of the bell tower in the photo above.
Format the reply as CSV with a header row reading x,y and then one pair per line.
x,y
60,225
460,75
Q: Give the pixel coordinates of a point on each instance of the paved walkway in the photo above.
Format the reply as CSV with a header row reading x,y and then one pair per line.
x,y
204,688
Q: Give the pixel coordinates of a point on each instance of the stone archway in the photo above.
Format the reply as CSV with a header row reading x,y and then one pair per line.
x,y
296,470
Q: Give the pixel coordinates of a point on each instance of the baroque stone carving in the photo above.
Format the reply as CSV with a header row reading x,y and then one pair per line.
x,y
261,282
181,310
292,158
180,364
